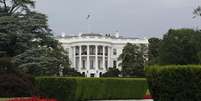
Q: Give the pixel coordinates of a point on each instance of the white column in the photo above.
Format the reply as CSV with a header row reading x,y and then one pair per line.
x,y
109,56
80,57
104,58
74,57
88,64
96,57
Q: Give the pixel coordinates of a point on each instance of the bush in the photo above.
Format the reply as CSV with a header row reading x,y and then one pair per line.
x,y
62,89
175,82
81,89
16,85
112,72
71,72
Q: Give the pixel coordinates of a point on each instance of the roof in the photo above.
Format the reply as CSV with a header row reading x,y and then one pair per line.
x,y
112,36
91,34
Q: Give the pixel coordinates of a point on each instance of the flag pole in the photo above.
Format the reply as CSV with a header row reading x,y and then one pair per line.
x,y
88,22
88,26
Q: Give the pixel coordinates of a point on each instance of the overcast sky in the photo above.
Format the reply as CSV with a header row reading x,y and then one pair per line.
x,y
136,18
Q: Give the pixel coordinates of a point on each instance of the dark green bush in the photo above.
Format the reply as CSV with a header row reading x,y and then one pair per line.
x,y
17,85
175,82
112,72
71,72
81,89
63,89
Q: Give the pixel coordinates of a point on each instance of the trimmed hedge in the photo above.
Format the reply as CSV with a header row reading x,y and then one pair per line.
x,y
81,89
175,82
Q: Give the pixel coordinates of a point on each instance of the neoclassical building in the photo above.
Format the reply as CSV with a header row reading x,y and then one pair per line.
x,y
92,54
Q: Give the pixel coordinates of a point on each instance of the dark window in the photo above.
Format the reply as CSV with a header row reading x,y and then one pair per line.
x,y
92,50
92,75
77,63
100,74
100,50
106,64
91,64
76,50
83,73
84,50
106,51
114,51
83,64
115,64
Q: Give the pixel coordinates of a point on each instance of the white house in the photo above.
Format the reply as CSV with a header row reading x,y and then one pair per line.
x,y
92,54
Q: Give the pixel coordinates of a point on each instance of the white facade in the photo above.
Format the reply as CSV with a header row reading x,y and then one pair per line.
x,y
92,54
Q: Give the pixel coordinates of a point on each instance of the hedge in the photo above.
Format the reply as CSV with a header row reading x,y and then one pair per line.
x,y
175,82
81,89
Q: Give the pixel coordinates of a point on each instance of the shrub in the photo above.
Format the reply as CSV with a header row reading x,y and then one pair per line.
x,y
63,89
16,85
71,72
175,82
112,72
81,89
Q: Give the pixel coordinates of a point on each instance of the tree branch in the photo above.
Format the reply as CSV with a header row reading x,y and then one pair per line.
x,y
5,5
14,5
15,9
12,8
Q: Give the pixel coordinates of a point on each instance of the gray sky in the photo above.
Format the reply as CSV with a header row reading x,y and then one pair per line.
x,y
137,18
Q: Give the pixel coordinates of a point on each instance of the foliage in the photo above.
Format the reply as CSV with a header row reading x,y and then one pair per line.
x,y
197,11
13,83
153,53
6,65
24,34
174,82
17,85
82,89
199,57
112,72
71,72
180,47
62,89
133,60
41,61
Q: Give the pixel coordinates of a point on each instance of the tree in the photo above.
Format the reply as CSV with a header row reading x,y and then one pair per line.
x,y
197,11
133,60
153,53
112,72
42,61
180,47
12,7
23,31
199,57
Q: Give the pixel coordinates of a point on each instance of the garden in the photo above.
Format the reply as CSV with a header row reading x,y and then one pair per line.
x,y
165,83
35,67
